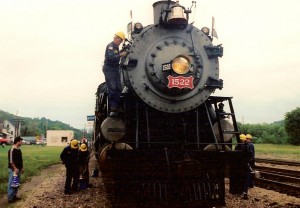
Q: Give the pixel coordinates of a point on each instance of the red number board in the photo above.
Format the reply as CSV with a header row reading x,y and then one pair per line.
x,y
180,82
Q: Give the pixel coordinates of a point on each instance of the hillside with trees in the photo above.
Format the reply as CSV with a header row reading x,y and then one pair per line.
x,y
39,126
286,131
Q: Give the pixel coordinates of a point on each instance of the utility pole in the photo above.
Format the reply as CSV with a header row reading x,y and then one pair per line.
x,y
46,129
84,130
18,125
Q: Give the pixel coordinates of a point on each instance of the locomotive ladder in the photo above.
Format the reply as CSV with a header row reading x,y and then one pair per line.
x,y
221,114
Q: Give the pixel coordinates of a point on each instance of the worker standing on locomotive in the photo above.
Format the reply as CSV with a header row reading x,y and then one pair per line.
x,y
69,157
111,72
251,160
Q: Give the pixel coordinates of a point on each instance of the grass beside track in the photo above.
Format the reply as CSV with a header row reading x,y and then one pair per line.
x,y
273,151
35,158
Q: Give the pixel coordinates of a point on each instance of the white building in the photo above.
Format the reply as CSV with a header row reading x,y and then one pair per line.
x,y
59,137
8,130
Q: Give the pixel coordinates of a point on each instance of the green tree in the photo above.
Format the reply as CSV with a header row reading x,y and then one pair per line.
x,y
292,126
265,133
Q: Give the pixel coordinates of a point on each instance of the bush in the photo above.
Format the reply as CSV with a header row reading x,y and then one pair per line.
x,y
292,126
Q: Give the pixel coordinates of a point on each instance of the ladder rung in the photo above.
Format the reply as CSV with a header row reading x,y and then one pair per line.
x,y
230,132
226,113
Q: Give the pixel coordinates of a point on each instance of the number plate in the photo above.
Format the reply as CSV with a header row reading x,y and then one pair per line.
x,y
166,67
180,82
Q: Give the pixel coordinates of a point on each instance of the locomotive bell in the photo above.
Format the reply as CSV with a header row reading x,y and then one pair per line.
x,y
177,16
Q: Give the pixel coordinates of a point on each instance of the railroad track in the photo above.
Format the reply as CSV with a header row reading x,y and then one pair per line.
x,y
277,162
279,179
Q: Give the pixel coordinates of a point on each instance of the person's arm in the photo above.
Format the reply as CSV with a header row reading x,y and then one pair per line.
x,y
63,156
11,161
111,55
15,169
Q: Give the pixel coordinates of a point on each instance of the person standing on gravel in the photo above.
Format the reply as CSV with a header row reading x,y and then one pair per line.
x,y
251,159
15,167
84,165
244,166
69,157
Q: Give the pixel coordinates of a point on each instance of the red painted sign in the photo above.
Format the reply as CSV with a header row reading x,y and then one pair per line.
x,y
180,82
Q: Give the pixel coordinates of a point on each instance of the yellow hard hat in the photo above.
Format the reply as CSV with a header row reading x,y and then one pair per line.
x,y
248,136
243,137
83,147
74,144
120,35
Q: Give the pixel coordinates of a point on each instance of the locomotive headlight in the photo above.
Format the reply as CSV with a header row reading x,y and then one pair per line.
x,y
181,64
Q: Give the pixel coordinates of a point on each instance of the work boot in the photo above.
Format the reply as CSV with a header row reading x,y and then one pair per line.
x,y
113,109
120,110
67,192
113,114
17,198
245,196
10,201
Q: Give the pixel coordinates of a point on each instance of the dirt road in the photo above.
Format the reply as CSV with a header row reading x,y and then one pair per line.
x,y
47,190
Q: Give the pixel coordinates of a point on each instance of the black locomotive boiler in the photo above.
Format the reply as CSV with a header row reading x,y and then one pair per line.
x,y
171,145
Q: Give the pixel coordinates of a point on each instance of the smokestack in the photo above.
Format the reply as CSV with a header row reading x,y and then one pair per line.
x,y
158,7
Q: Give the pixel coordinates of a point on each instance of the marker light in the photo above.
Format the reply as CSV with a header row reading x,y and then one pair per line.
x,y
138,27
205,30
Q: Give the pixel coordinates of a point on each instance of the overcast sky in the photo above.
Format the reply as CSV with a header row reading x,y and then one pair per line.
x,y
51,53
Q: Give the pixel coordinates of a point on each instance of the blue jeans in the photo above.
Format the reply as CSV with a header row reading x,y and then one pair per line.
x,y
12,191
113,83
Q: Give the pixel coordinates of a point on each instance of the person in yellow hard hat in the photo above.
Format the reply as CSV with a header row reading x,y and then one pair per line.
x,y
83,166
251,158
242,140
241,144
111,71
69,157
244,171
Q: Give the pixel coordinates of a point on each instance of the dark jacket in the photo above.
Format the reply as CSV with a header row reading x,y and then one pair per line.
x,y
246,157
252,154
112,56
83,157
69,157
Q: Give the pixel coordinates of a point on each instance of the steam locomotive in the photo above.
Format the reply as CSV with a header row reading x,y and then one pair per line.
x,y
172,142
